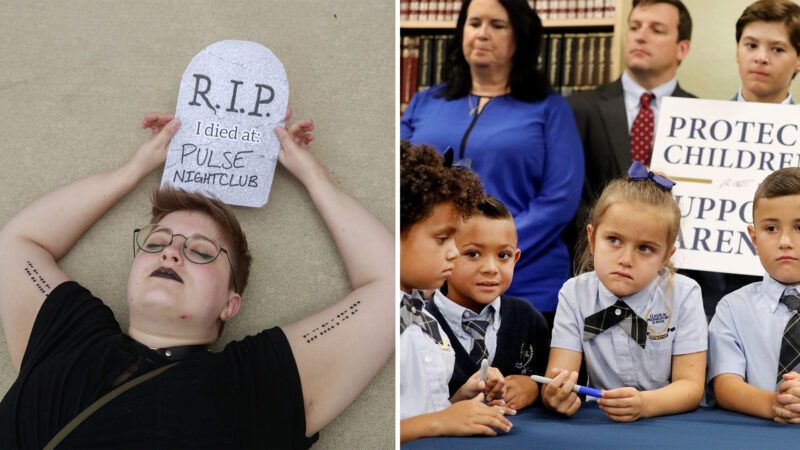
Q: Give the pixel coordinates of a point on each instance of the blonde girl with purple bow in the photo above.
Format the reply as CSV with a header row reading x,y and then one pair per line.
x,y
640,326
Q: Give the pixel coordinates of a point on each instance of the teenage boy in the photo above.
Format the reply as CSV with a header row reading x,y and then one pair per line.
x,y
768,56
434,200
479,320
768,51
754,337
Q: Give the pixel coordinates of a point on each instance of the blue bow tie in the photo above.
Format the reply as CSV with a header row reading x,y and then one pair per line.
x,y
639,172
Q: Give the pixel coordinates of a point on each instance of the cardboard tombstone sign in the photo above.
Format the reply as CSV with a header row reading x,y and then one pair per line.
x,y
232,95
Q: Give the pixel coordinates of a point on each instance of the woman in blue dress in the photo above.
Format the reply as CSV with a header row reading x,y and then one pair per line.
x,y
501,118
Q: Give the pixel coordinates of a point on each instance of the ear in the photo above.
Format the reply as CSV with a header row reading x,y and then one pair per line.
x,y
231,308
669,254
683,49
517,254
752,232
590,238
797,66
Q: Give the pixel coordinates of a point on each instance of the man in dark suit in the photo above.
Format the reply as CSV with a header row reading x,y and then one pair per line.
x,y
657,41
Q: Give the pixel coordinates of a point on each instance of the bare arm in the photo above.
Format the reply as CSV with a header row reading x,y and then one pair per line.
x,y
684,392
627,404
733,393
41,234
340,349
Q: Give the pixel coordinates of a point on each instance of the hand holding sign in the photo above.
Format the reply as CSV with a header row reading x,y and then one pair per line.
x,y
153,152
232,96
294,154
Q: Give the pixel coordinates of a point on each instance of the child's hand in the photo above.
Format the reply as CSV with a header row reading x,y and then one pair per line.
x,y
493,388
469,417
294,154
559,395
501,406
153,152
623,404
521,391
495,384
787,405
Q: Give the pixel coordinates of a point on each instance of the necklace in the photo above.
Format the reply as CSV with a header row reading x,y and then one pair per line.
x,y
473,110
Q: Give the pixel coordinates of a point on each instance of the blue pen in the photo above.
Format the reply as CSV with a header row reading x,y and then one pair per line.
x,y
577,388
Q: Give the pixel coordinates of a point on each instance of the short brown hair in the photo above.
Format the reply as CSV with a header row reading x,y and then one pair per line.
x,y
780,183
684,19
644,192
170,199
425,182
783,11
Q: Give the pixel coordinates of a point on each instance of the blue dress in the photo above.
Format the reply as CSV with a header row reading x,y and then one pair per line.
x,y
529,156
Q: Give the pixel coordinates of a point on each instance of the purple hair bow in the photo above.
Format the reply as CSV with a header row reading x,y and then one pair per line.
x,y
639,172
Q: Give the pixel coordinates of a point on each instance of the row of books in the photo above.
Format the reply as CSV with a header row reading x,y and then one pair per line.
x,y
429,10
447,10
576,62
572,62
421,59
575,9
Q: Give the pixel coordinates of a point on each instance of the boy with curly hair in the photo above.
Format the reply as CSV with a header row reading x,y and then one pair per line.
x,y
434,200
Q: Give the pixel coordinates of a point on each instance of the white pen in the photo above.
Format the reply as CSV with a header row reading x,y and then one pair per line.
x,y
484,370
577,388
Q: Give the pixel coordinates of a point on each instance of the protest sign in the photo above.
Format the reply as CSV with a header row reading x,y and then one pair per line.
x,y
232,95
718,152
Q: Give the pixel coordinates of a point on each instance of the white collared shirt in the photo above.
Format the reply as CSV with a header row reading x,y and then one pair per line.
x,y
633,92
676,325
425,370
746,332
786,101
453,313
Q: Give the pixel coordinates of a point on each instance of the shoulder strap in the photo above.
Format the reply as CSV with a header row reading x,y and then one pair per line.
x,y
100,402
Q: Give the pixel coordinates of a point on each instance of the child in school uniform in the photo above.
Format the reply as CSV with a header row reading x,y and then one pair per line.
x,y
479,320
754,337
640,326
434,201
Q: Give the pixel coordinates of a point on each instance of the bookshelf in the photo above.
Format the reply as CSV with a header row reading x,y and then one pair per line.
x,y
568,39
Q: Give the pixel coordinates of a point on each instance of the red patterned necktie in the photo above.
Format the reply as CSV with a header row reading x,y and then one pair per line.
x,y
642,131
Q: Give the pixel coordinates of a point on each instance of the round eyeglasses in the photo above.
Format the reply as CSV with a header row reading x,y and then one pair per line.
x,y
197,248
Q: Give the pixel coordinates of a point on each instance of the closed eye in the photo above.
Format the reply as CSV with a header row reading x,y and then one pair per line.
x,y
202,255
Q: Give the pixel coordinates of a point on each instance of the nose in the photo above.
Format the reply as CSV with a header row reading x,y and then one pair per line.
x,y
173,252
625,257
761,55
483,31
489,266
451,252
638,35
786,241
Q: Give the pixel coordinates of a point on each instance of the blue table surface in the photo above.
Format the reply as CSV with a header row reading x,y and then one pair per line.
x,y
705,428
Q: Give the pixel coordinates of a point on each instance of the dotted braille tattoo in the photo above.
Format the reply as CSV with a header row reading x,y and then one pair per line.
x,y
335,321
41,284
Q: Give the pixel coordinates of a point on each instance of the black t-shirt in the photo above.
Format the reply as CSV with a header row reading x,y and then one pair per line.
x,y
246,396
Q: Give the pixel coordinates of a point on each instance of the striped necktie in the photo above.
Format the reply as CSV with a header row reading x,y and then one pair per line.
x,y
790,344
477,329
411,311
